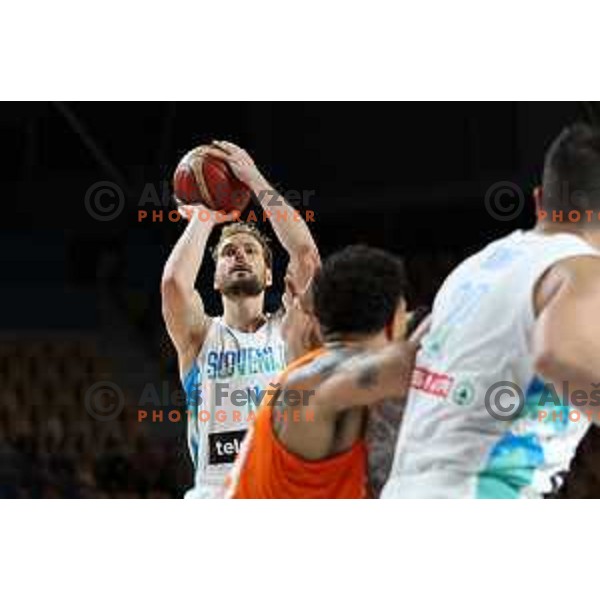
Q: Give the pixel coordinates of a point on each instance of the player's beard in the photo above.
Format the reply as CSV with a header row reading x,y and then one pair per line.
x,y
245,287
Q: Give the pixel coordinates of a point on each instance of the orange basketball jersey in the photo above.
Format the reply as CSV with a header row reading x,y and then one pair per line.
x,y
266,469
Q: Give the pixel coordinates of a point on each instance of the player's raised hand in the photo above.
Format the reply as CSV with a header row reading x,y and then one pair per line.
x,y
239,161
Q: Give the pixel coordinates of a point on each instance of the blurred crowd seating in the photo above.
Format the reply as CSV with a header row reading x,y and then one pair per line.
x,y
51,447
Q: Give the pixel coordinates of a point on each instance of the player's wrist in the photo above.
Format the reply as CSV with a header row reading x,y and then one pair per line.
x,y
199,217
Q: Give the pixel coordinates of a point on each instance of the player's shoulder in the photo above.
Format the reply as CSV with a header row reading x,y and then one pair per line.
x,y
311,374
583,270
580,274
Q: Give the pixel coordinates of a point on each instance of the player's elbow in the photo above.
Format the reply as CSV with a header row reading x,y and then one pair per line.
x,y
173,294
171,284
313,251
308,252
167,285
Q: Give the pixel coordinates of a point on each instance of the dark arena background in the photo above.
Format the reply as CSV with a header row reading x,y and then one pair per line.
x,y
86,232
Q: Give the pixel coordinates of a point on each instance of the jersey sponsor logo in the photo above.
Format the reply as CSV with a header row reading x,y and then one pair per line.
x,y
463,393
223,447
233,477
429,382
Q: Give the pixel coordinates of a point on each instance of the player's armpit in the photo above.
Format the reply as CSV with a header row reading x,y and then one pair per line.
x,y
365,381
566,337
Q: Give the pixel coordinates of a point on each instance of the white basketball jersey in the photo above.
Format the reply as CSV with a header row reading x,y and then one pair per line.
x,y
450,445
224,389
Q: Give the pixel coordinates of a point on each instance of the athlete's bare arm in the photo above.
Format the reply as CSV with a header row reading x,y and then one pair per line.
x,y
364,380
292,232
182,306
566,340
300,328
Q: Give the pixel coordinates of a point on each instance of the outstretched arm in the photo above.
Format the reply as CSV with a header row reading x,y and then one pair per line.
x,y
182,306
365,381
291,230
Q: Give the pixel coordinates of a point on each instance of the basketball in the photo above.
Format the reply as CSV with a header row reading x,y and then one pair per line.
x,y
203,179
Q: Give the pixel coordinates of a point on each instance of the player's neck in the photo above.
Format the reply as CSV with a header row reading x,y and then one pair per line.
x,y
245,313
590,234
371,342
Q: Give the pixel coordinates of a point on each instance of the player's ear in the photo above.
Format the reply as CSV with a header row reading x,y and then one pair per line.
x,y
268,277
537,198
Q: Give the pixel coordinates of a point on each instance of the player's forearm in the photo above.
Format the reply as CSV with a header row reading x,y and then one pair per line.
x,y
186,257
291,231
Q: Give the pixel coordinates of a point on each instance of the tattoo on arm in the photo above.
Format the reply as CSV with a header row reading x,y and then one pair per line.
x,y
320,370
367,377
381,436
328,371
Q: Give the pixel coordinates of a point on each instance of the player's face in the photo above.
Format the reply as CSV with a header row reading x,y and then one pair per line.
x,y
241,269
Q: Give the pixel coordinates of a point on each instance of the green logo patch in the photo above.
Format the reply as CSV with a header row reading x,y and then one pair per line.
x,y
463,393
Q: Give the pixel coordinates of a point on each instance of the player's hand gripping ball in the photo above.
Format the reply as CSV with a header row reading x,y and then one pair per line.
x,y
203,178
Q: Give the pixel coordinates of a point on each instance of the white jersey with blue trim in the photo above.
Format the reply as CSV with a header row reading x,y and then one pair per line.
x,y
455,440
224,389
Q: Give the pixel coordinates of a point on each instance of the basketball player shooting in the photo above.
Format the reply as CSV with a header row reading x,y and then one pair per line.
x,y
513,318
308,437
225,363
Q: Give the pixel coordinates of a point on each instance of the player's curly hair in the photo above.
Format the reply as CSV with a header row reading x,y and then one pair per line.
x,y
357,290
235,228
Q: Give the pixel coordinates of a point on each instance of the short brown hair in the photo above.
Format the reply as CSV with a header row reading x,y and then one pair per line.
x,y
236,228
571,178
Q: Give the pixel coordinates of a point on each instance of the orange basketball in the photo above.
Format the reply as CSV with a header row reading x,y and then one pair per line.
x,y
203,179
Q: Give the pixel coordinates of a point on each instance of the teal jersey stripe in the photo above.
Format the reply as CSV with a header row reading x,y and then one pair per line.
x,y
192,387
